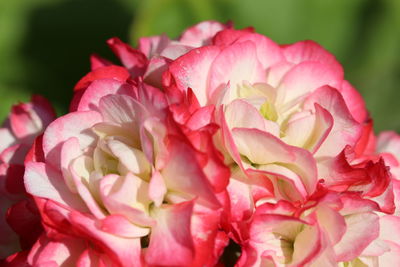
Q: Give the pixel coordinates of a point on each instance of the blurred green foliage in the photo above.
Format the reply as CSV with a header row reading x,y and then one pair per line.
x,y
45,44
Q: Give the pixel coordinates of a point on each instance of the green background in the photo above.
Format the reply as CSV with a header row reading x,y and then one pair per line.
x,y
45,44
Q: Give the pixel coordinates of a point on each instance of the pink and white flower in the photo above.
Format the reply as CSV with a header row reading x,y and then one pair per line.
x,y
19,220
219,137
326,231
281,109
126,177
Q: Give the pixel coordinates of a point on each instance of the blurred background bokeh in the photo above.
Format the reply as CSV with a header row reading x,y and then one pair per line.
x,y
45,44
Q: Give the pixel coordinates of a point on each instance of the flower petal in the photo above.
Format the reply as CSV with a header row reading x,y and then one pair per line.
x,y
263,148
234,65
42,180
107,72
97,89
240,113
201,34
310,51
304,78
362,229
49,253
134,60
120,226
172,235
177,175
345,130
75,124
268,51
6,137
192,71
157,188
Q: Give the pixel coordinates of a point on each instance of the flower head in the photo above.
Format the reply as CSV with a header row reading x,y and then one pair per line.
x,y
19,220
221,136
122,164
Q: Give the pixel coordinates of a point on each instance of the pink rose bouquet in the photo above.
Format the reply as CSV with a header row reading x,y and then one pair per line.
x,y
220,148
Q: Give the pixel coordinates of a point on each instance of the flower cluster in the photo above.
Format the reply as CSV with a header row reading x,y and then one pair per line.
x,y
220,148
